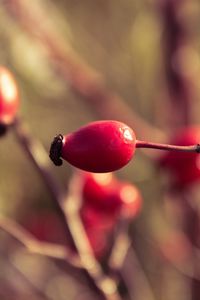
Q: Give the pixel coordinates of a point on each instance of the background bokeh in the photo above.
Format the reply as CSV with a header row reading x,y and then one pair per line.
x,y
123,42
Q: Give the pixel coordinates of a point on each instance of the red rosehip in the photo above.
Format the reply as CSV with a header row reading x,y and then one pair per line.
x,y
99,191
184,167
98,147
104,200
9,97
99,226
104,193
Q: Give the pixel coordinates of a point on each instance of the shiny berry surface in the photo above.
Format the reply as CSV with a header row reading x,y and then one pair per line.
x,y
9,97
184,167
101,146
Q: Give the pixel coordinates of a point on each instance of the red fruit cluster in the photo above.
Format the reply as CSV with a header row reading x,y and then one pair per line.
x,y
184,167
9,97
104,200
99,147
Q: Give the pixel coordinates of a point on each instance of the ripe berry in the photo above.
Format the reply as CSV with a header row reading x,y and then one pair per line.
x,y
104,200
184,167
104,193
9,98
99,192
99,227
98,147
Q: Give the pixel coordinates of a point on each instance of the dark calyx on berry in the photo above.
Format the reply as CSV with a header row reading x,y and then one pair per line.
x,y
55,150
198,148
3,129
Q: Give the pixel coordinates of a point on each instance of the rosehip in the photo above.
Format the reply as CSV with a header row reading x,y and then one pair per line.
x,y
99,191
104,200
98,147
9,97
183,166
105,193
99,226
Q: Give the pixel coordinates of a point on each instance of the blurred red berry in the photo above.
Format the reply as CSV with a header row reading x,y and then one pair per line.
x,y
107,194
9,97
184,167
99,191
104,201
98,147
99,227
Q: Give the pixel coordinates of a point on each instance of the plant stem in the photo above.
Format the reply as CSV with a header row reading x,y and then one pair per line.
x,y
144,144
106,284
33,245
66,206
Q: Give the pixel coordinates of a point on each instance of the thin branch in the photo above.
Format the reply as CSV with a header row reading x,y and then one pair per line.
x,y
38,155
36,289
40,159
142,287
120,247
35,246
70,216
178,58
71,206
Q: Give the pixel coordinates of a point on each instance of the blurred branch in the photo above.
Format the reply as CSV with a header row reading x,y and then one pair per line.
x,y
70,217
85,81
120,247
39,157
71,205
180,60
142,288
36,290
35,246
173,244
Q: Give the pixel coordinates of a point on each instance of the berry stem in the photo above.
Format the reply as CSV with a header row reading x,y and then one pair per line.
x,y
144,144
